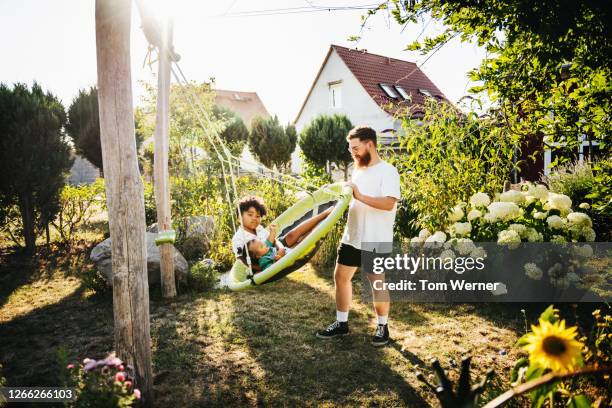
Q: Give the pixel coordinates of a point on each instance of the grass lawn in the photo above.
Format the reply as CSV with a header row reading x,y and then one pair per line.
x,y
253,348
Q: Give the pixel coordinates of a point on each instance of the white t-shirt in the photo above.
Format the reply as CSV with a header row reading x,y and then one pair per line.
x,y
242,236
368,224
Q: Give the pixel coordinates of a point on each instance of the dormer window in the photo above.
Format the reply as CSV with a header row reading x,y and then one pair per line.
x,y
425,92
389,90
402,92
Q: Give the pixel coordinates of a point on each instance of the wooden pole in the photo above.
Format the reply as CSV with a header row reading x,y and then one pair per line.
x,y
124,192
162,189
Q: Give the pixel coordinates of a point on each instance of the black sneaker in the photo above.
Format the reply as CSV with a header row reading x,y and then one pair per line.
x,y
381,336
334,330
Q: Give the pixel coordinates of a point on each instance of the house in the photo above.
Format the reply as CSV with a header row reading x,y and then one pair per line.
x,y
247,105
367,88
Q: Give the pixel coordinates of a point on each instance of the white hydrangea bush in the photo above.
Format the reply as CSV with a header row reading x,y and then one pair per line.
x,y
533,214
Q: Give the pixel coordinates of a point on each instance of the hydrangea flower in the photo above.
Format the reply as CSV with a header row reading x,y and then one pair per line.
x,y
512,196
473,214
555,222
520,229
456,214
584,206
424,233
558,239
509,238
533,271
438,236
578,218
480,200
503,210
559,202
538,191
460,229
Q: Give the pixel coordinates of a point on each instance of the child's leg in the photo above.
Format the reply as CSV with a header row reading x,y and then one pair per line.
x,y
298,233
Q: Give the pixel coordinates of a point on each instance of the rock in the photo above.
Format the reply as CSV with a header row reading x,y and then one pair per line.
x,y
199,232
152,228
101,256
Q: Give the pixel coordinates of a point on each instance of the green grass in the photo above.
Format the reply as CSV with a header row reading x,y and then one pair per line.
x,y
255,347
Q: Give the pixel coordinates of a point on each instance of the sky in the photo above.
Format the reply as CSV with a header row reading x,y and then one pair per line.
x,y
276,54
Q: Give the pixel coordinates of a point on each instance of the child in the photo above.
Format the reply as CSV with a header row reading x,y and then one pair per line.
x,y
252,209
264,253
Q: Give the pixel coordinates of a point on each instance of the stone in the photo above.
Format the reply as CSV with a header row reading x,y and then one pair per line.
x,y
198,234
101,256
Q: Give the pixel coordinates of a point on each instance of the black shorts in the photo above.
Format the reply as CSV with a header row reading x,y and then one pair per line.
x,y
350,256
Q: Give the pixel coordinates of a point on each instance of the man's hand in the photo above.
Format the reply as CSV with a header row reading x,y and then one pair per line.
x,y
356,192
279,254
380,203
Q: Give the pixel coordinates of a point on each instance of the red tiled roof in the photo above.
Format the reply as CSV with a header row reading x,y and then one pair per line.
x,y
371,70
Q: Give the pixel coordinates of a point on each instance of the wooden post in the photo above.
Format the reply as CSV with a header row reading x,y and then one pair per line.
x,y
162,188
124,192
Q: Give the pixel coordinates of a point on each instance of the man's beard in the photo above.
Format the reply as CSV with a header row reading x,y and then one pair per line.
x,y
364,159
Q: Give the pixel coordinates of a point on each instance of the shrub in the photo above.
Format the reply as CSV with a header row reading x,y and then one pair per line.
x,y
532,215
203,276
325,257
591,184
149,202
78,204
103,383
446,156
95,281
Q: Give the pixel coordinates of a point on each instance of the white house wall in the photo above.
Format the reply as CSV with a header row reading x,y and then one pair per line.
x,y
356,104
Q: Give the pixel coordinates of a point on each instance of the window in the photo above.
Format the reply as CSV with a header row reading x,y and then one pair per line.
x,y
583,152
389,91
424,92
402,92
335,95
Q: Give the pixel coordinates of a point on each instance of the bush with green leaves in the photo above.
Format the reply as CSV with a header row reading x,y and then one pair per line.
x,y
203,276
446,156
533,214
271,143
323,141
589,183
78,204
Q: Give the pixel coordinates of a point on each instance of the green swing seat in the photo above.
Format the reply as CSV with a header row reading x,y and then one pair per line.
x,y
338,195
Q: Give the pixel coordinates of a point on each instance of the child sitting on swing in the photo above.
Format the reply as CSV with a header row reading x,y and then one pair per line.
x,y
264,253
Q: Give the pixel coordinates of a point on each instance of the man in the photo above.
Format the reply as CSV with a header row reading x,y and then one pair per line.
x,y
376,189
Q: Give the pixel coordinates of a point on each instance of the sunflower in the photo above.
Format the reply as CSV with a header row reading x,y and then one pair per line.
x,y
551,345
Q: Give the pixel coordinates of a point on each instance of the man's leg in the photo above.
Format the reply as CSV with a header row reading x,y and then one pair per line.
x,y
298,233
382,304
343,276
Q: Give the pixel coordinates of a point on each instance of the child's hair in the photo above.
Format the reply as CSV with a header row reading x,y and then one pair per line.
x,y
251,253
252,201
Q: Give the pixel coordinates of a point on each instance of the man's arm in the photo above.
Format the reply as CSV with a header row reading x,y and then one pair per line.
x,y
381,203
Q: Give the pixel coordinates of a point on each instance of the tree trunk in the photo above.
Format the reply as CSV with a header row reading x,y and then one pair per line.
x,y
47,232
124,192
27,217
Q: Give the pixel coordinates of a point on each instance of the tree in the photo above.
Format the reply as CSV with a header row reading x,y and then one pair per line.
x,y
548,65
34,155
84,125
235,134
272,144
191,108
323,141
